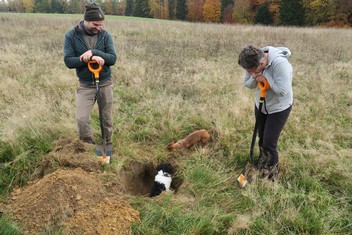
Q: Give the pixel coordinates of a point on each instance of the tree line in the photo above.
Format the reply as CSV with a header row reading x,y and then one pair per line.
x,y
264,12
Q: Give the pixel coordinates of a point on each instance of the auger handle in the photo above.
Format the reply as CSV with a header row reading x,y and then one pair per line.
x,y
93,70
263,87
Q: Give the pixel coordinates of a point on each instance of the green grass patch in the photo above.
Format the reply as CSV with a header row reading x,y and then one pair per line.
x,y
21,159
8,227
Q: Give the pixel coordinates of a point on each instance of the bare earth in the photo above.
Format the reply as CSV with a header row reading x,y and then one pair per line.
x,y
72,194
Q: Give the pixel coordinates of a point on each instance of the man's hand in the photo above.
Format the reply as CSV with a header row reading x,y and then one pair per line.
x,y
99,60
86,56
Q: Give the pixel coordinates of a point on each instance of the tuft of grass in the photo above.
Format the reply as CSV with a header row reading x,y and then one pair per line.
x,y
8,227
20,160
165,214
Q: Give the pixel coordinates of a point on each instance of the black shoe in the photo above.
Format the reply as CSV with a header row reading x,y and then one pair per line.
x,y
273,172
269,172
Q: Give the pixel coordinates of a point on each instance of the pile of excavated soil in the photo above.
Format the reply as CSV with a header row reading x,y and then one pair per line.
x,y
72,196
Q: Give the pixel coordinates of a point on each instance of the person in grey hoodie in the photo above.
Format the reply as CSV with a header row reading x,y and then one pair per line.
x,y
269,63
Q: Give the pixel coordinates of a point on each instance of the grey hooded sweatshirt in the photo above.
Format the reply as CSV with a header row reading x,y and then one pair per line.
x,y
278,72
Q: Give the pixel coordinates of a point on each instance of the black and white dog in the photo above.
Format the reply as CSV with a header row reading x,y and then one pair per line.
x,y
162,181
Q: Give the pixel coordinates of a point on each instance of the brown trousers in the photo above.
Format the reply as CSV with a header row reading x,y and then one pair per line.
x,y
85,99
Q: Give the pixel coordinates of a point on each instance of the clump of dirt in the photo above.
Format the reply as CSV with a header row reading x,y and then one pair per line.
x,y
109,217
73,196
69,154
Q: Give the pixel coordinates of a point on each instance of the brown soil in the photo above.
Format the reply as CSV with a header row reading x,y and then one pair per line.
x,y
73,194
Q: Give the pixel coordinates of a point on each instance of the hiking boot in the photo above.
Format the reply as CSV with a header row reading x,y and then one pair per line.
x,y
263,160
274,172
269,172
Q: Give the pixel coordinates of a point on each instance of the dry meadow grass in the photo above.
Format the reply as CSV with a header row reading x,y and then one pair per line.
x,y
174,77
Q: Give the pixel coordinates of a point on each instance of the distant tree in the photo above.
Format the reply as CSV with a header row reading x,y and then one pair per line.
x,y
226,16
121,6
224,4
212,11
141,8
108,7
343,12
138,8
42,6
3,6
129,7
319,11
292,13
155,8
241,12
181,9
74,7
115,7
15,5
159,9
195,10
56,6
172,9
263,15
64,6
254,4
166,10
226,11
274,7
28,5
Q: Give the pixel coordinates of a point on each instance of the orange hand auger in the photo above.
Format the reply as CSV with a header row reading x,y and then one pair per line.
x,y
243,179
263,87
103,151
96,71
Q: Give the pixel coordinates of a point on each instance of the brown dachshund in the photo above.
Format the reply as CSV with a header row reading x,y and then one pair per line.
x,y
199,136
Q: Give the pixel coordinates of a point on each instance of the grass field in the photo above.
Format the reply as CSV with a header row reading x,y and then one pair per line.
x,y
170,79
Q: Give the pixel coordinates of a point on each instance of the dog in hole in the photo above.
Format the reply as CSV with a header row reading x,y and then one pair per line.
x,y
201,137
163,179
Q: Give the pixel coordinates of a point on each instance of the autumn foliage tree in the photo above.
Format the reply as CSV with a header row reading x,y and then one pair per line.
x,y
241,12
330,13
343,12
212,11
318,11
195,10
28,5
